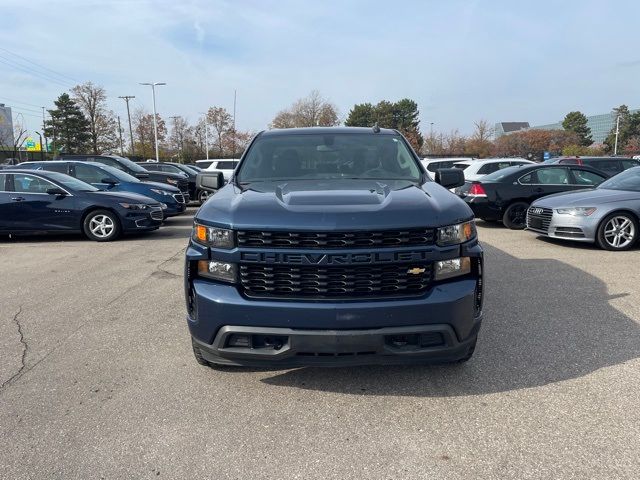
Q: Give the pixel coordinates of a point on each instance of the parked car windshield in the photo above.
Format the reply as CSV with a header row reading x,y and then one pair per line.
x,y
627,180
134,167
329,156
72,183
119,174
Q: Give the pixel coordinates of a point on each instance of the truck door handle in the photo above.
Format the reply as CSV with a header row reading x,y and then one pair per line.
x,y
17,199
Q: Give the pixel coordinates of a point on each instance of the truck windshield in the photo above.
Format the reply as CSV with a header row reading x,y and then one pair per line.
x,y
329,156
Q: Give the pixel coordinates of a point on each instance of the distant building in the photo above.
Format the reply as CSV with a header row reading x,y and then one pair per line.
x,y
6,127
600,125
503,128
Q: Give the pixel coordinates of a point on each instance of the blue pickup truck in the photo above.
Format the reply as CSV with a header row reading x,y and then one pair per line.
x,y
332,246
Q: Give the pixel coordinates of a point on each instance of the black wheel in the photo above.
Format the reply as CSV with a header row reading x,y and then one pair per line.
x,y
515,216
203,195
101,226
198,354
618,231
469,354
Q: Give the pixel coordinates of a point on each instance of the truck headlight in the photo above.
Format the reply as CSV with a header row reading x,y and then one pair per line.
x,y
576,211
455,234
214,236
452,268
223,271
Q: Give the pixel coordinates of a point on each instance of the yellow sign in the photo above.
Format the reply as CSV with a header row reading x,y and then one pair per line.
x,y
32,146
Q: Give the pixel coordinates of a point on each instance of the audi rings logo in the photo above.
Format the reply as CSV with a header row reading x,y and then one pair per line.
x,y
536,211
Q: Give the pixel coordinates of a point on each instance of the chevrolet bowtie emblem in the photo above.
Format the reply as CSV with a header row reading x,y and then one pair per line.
x,y
416,271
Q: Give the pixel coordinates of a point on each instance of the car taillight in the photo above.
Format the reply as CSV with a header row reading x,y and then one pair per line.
x,y
477,190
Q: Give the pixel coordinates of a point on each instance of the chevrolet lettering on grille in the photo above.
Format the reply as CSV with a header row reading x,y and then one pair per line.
x,y
333,259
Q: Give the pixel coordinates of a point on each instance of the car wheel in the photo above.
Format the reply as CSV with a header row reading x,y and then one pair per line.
x,y
101,226
203,195
618,231
515,216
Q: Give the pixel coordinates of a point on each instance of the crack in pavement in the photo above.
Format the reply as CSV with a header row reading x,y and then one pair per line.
x,y
172,257
23,355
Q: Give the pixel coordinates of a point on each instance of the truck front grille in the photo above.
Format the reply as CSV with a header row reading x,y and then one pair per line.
x,y
353,239
334,282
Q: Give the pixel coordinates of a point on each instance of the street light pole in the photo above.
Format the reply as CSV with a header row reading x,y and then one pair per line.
x,y
153,86
126,98
615,148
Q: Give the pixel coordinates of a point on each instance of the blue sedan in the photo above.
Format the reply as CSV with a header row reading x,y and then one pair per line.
x,y
52,202
112,179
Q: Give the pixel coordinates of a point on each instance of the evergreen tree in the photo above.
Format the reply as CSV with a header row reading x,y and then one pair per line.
x,y
623,112
577,122
361,115
68,128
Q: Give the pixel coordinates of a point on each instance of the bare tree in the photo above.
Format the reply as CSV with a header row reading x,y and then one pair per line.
x,y
103,129
180,131
311,111
221,122
483,131
143,130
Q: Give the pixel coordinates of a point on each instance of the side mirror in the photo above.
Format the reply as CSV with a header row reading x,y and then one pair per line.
x,y
108,181
209,181
56,191
141,176
450,177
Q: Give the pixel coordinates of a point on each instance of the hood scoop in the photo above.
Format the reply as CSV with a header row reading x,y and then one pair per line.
x,y
371,193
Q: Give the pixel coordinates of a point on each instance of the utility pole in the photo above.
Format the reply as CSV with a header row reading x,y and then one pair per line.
x,y
46,142
126,98
615,148
120,134
153,86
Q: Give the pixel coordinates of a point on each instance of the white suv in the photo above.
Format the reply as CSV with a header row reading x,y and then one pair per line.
x,y
434,164
476,169
226,166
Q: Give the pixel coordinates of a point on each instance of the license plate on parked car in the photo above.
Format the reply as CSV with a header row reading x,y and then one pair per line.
x,y
535,223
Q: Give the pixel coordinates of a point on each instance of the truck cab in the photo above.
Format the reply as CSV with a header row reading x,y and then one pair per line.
x,y
333,246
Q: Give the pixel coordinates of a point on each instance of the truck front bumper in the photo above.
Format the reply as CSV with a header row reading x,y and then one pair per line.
x,y
438,326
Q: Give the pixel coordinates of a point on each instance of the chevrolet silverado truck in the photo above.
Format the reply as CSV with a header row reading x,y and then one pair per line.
x,y
333,246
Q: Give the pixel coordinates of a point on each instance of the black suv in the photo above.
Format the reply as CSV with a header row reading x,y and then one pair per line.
x,y
609,165
126,165
180,168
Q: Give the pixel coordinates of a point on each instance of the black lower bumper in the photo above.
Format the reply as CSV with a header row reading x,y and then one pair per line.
x,y
286,347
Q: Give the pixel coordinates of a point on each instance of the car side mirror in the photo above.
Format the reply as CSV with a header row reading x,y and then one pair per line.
x,y
108,181
450,177
56,191
209,181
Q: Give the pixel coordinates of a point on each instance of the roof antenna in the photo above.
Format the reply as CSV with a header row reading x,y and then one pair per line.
x,y
376,128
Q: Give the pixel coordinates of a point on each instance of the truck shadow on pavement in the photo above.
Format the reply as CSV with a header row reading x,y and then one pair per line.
x,y
545,322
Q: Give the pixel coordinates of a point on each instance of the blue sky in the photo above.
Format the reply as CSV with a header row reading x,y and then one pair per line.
x,y
460,60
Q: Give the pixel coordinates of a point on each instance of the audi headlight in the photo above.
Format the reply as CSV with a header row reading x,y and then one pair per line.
x,y
576,211
456,234
214,236
223,271
160,192
134,206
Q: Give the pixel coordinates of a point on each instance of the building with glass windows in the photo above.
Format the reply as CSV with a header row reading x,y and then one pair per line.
x,y
6,127
600,125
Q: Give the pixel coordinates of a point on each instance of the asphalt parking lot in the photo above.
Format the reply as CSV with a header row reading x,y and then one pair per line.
x,y
98,379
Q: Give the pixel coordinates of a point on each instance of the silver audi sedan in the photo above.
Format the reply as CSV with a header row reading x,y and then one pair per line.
x,y
607,215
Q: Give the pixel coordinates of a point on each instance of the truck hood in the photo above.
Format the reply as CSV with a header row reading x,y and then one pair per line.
x,y
333,205
586,198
